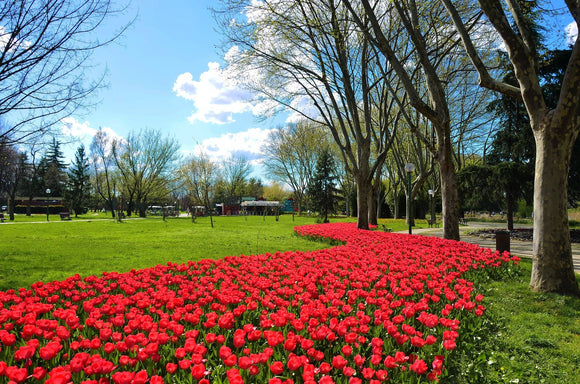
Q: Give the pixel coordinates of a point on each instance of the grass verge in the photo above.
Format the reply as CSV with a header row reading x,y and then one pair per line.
x,y
524,337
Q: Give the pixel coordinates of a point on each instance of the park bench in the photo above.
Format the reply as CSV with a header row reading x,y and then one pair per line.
x,y
433,223
462,221
386,229
2,218
64,215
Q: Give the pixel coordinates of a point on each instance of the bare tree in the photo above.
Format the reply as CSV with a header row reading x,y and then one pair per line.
x,y
145,162
12,168
45,46
555,131
290,155
312,61
236,170
434,53
103,165
200,176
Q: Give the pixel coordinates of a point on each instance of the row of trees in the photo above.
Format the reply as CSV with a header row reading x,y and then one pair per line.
x,y
125,175
363,69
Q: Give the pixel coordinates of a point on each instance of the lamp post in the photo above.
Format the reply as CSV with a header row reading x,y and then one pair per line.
x,y
431,193
47,202
409,168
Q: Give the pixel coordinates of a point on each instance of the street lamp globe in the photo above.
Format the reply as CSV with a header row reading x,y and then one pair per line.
x,y
409,167
47,203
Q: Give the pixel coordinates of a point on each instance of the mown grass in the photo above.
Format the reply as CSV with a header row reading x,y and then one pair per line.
x,y
524,337
50,251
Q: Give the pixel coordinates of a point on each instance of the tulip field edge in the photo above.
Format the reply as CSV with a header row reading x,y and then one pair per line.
x,y
381,307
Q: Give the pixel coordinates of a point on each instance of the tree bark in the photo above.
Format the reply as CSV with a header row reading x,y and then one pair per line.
x,y
362,189
553,267
396,206
449,199
510,202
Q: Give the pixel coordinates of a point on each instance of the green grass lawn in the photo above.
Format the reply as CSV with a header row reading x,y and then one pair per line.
x,y
526,337
50,251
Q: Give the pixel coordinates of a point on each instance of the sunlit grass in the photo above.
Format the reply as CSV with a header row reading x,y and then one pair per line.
x,y
43,251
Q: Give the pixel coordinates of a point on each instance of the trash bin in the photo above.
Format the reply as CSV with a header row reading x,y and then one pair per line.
x,y
502,241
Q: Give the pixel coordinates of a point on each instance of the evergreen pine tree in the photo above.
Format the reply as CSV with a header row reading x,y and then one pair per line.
x,y
52,171
78,181
322,189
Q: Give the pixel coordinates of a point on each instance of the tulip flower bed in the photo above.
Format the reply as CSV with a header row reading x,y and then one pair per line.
x,y
382,307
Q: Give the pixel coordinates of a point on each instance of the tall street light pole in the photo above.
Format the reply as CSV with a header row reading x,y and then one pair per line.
x,y
47,202
431,193
409,168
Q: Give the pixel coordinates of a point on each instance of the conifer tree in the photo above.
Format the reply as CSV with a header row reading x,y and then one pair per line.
x,y
322,189
79,181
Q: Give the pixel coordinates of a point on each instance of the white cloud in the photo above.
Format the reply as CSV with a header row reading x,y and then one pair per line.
x,y
83,131
572,32
215,97
72,127
247,144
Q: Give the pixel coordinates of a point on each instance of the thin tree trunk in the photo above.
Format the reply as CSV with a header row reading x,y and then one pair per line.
x,y
552,268
396,206
510,202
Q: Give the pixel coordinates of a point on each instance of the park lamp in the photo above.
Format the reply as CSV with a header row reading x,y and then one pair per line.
x,y
431,193
409,168
47,202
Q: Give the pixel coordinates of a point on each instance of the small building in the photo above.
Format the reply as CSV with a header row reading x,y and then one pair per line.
x,y
261,207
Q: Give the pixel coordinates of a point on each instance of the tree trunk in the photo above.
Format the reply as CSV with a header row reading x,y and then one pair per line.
x,y
449,200
552,268
396,207
372,206
362,188
510,202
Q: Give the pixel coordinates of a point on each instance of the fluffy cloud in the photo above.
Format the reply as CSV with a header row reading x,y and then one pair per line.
x,y
71,127
214,96
247,144
572,32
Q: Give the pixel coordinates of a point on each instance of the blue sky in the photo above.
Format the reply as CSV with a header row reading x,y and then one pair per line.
x,y
159,77
164,74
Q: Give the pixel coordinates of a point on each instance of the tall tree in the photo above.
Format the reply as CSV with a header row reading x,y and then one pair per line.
x,y
290,156
79,181
52,170
555,131
45,46
103,165
146,162
308,58
424,74
322,189
200,176
235,173
12,170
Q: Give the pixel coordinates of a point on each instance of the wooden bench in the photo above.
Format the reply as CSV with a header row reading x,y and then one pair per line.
x,y
433,223
2,218
462,221
64,215
387,229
